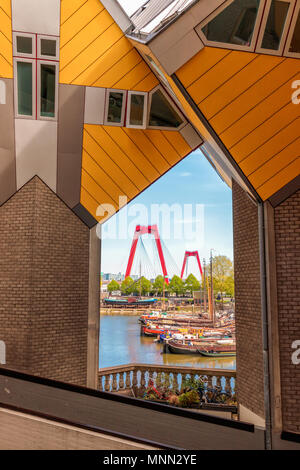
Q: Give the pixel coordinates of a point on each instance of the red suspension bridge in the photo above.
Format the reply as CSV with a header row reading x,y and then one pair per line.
x,y
161,257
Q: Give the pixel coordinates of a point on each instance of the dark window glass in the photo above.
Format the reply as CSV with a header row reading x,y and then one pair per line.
x,y
115,105
48,47
295,44
162,113
137,103
275,24
47,90
24,45
24,74
235,24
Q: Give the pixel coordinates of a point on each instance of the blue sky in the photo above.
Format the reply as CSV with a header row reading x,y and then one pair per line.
x,y
192,182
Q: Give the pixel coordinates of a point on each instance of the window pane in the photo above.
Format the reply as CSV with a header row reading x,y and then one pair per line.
x,y
295,44
48,47
161,113
275,24
24,75
24,45
115,107
136,110
235,24
47,90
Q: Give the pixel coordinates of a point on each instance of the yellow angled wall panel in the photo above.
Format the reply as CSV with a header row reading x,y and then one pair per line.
x,y
258,115
79,20
138,73
160,141
178,143
6,6
6,48
267,86
129,147
95,189
200,64
271,148
98,57
121,158
276,164
84,38
6,68
147,84
115,73
94,149
216,76
97,172
265,131
5,24
68,8
90,204
148,149
240,82
279,180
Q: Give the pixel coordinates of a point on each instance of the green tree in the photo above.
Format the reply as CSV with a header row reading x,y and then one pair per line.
x,y
176,285
127,286
191,284
223,275
142,286
112,286
157,285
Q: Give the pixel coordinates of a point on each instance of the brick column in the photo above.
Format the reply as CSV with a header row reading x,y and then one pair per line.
x,y
250,383
47,285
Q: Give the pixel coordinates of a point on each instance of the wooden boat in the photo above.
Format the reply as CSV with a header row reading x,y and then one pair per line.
x,y
177,347
213,348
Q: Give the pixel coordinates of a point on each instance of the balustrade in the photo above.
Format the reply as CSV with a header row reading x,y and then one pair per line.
x,y
137,378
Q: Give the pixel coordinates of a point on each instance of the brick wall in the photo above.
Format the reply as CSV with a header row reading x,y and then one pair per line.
x,y
287,239
248,302
44,277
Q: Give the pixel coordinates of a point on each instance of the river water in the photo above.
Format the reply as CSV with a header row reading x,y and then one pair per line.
x,y
121,343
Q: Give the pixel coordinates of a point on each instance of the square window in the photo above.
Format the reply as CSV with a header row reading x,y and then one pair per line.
x,y
24,44
48,47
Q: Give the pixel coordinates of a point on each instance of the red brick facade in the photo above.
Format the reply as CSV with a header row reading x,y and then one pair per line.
x,y
250,385
287,239
44,279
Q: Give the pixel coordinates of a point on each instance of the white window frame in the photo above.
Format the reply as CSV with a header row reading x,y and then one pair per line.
x,y
39,117
173,105
39,48
21,54
145,110
285,30
33,62
224,45
295,55
115,124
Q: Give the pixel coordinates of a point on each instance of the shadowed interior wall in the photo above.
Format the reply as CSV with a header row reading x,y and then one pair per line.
x,y
44,279
287,239
248,302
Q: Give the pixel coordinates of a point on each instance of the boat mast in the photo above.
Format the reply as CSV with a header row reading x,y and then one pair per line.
x,y
212,288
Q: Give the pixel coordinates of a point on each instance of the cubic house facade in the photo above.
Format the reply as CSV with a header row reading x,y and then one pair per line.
x,y
96,106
